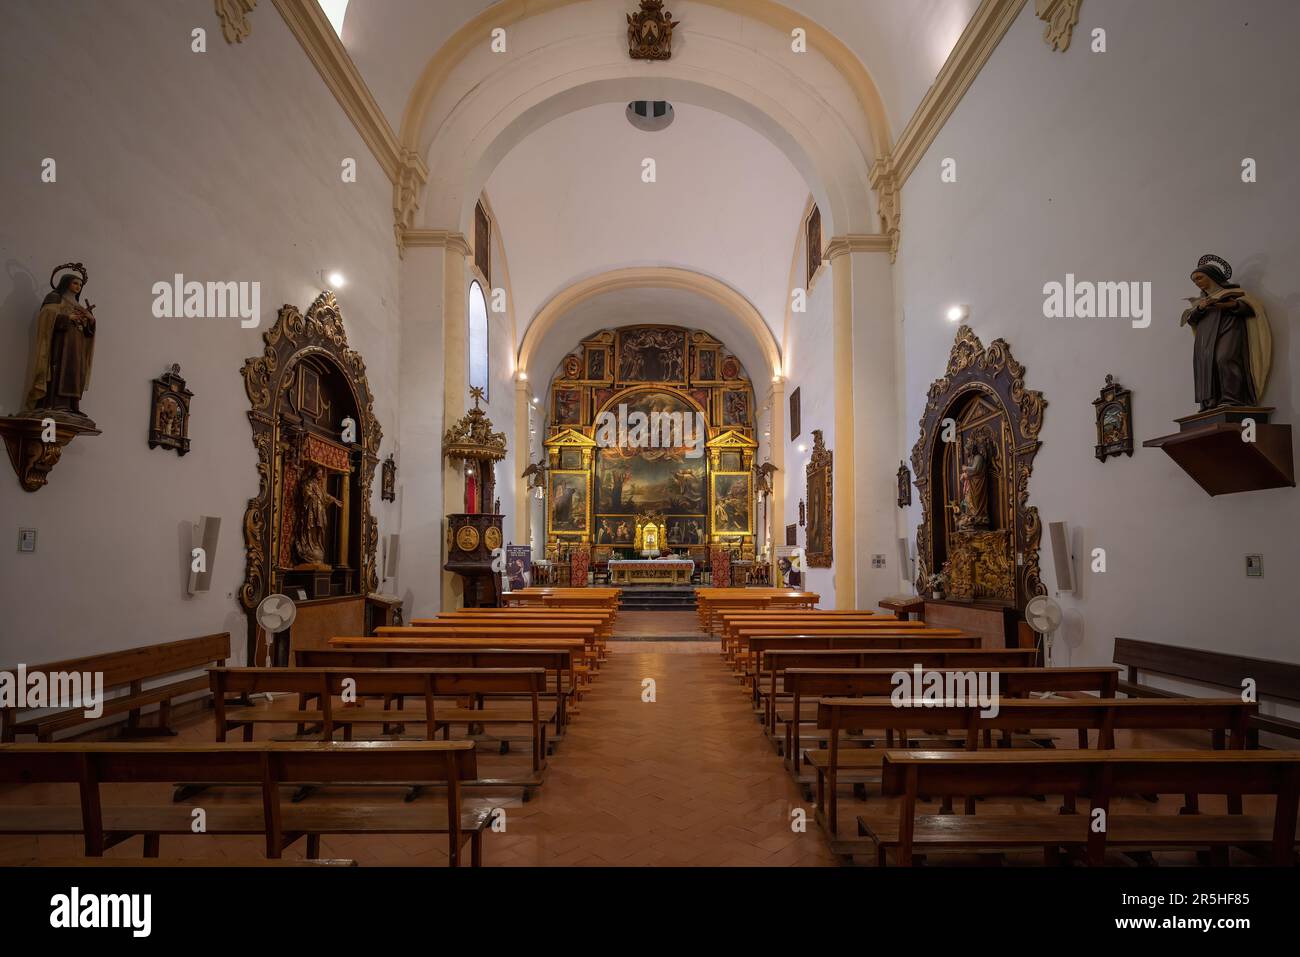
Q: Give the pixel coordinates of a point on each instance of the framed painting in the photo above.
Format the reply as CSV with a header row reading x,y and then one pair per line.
x,y
567,503
731,502
792,535
568,407
1114,420
820,513
795,425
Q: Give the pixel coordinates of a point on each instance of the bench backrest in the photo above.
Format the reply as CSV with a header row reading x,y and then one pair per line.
x,y
553,659
486,630
378,681
287,762
761,644
1013,682
576,645
147,661
1105,715
958,658
1273,679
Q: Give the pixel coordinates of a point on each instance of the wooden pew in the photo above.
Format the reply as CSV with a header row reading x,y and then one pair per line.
x,y
126,670
1274,680
1103,715
557,663
265,764
170,862
752,666
1099,774
779,660
322,685
602,621
710,600
1013,682
733,636
507,633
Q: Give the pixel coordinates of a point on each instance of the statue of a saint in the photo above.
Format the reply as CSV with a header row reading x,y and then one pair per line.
x,y
65,345
1234,346
313,517
974,514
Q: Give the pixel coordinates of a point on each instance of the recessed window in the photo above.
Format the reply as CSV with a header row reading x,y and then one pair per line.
x,y
478,338
650,115
335,11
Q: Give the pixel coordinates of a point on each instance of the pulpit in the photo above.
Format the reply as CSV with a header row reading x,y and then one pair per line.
x,y
474,538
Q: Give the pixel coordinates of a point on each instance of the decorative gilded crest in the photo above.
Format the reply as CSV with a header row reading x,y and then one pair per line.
x,y
650,32
472,436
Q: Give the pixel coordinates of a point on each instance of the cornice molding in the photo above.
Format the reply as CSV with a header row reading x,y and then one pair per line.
x,y
233,15
860,243
441,238
978,41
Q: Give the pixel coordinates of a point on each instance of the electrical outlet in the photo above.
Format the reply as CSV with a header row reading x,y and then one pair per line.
x,y
27,539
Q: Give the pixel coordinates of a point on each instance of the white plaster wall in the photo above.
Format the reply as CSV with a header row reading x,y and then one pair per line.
x,y
810,367
219,166
1125,166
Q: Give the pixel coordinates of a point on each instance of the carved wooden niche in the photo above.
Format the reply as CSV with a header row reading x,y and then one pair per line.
x,y
993,440
310,528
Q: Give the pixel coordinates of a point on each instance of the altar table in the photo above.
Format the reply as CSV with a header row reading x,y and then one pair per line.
x,y
651,572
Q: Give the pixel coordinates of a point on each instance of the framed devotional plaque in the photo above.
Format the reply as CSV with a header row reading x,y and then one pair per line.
x,y
1114,420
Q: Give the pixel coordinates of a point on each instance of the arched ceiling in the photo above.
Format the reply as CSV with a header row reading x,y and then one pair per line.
x,y
902,43
570,204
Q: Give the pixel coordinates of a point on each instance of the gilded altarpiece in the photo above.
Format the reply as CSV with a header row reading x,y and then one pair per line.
x,y
696,479
310,531
977,525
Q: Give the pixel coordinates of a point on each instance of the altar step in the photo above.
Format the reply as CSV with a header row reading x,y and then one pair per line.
x,y
657,599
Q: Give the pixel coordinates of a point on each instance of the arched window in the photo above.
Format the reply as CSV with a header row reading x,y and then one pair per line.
x,y
478,338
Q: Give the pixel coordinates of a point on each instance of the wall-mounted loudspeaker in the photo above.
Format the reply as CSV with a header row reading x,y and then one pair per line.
x,y
203,554
391,553
1059,536
905,559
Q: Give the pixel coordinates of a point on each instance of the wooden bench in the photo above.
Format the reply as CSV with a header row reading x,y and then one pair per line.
x,y
779,660
1219,716
265,764
1098,774
734,638
317,688
802,684
1274,680
127,670
753,664
169,862
556,663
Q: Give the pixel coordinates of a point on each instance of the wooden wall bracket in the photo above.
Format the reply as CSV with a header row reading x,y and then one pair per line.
x,y
32,457
1209,447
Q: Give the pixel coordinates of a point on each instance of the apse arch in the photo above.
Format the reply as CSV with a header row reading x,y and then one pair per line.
x,y
471,106
651,277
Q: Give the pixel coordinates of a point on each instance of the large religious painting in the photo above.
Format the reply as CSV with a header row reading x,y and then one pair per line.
x,y
978,529
652,354
647,425
569,499
731,503
820,513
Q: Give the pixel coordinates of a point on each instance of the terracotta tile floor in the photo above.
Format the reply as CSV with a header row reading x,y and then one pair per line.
x,y
685,780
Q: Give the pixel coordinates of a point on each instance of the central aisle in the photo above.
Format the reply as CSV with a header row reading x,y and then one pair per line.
x,y
687,779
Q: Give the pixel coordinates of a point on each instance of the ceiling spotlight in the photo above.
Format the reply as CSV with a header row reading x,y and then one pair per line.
x,y
337,280
958,313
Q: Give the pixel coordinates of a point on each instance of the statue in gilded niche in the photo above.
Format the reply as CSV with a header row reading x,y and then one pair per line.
x,y
65,345
973,512
313,517
1234,345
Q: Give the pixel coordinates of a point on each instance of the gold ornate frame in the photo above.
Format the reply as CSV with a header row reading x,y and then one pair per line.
x,y
719,536
820,472
552,533
993,373
267,378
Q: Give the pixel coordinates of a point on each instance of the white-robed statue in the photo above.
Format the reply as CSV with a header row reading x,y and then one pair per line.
x,y
1234,346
